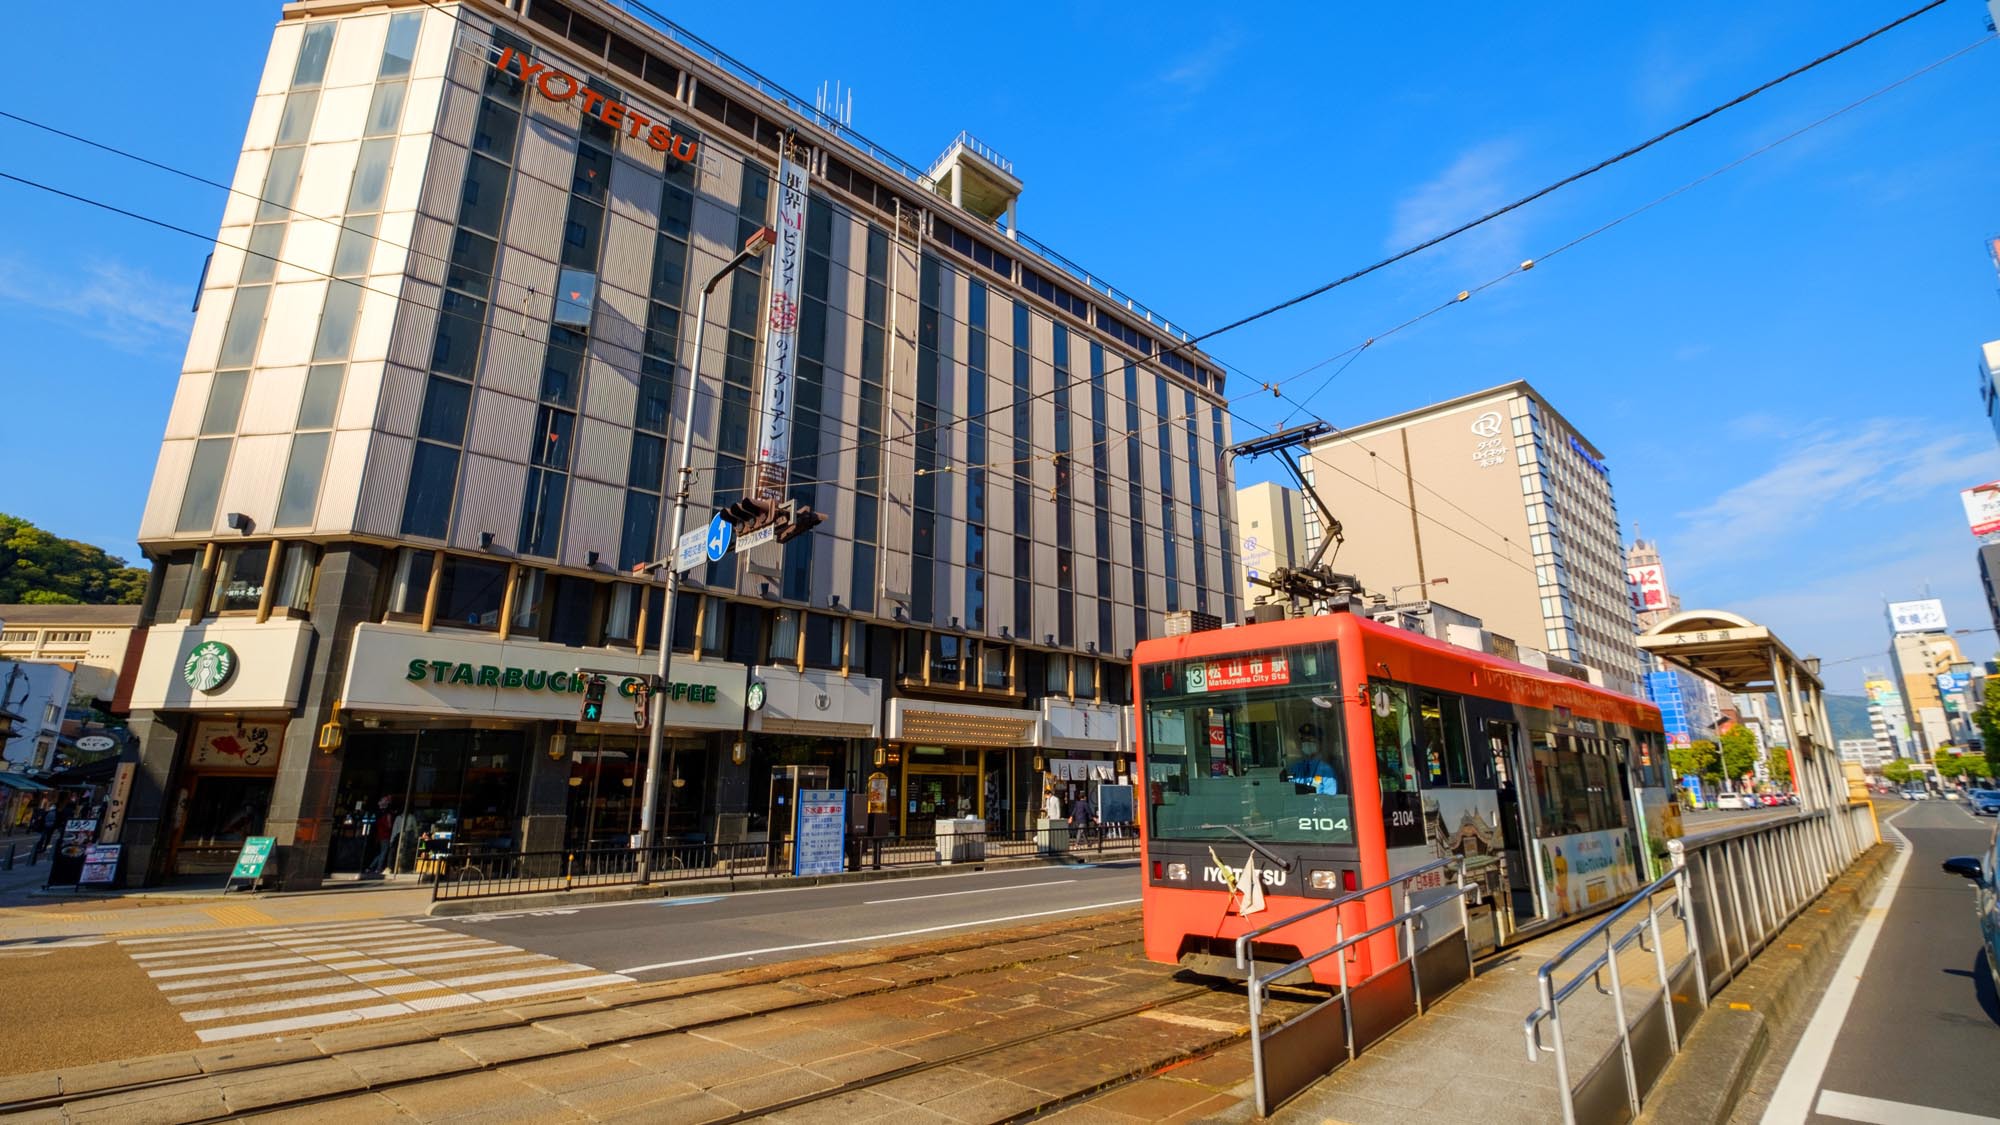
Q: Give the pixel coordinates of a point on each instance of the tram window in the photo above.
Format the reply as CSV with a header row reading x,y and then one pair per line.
x,y
1444,755
1395,739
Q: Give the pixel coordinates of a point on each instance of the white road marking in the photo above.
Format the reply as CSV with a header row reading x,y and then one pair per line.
x,y
1876,1111
343,975
300,1023
233,978
518,990
194,970
1792,1101
200,1015
748,953
980,891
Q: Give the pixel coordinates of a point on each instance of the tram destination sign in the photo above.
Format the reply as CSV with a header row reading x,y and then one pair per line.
x,y
1239,672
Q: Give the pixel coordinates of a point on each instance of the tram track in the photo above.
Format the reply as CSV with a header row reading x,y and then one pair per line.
x,y
994,959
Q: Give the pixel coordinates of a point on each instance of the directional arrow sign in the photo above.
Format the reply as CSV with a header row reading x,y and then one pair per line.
x,y
720,532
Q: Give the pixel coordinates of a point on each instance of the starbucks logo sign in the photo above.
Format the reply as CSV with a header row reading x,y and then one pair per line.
x,y
209,666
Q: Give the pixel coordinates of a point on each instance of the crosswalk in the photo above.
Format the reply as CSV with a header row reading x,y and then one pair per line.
x,y
271,981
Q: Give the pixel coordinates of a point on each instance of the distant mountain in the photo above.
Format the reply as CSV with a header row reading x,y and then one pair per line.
x,y
1849,716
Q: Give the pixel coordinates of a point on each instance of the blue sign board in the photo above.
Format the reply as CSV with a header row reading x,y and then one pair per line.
x,y
720,532
819,844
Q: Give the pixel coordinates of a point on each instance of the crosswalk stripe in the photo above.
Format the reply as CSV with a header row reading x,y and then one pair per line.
x,y
208,951
300,1023
191,970
550,986
510,974
330,980
234,978
201,1015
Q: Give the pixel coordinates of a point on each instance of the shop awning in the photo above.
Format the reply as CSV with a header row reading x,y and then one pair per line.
x,y
22,782
937,724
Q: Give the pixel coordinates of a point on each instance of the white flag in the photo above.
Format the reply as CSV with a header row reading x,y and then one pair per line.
x,y
1253,888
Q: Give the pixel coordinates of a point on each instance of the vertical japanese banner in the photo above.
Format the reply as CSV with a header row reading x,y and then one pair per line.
x,y
781,335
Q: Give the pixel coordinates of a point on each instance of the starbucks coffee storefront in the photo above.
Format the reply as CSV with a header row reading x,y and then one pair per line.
x,y
470,743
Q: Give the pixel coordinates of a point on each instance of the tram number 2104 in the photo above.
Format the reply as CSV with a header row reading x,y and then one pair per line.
x,y
1322,824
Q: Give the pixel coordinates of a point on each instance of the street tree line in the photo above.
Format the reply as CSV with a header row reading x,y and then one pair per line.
x,y
1734,756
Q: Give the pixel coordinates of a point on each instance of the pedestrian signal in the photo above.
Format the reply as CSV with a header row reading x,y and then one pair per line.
x,y
593,699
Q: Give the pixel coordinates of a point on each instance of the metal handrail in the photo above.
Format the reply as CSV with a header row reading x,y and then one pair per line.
x,y
1243,940
1405,920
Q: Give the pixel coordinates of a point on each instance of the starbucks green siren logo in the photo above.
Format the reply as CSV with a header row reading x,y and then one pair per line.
x,y
209,666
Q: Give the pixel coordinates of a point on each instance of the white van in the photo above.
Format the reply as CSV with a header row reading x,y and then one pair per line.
x,y
1733,801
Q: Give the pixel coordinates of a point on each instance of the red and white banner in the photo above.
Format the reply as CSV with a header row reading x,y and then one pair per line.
x,y
1982,507
1648,586
781,336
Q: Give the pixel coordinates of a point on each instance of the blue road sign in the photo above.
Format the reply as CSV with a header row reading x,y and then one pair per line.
x,y
720,532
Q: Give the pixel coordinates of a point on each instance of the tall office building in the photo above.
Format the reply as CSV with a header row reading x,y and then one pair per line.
x,y
1922,649
427,419
1499,493
1270,533
1888,720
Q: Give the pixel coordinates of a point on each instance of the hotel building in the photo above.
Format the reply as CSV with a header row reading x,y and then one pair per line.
x,y
427,419
1499,494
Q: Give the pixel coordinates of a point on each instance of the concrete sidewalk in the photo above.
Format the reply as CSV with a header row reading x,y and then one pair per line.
x,y
29,915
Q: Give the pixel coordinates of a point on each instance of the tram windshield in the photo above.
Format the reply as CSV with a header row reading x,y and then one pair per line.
x,y
1252,741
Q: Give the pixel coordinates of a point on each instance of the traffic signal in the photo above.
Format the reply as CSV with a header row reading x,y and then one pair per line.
x,y
750,513
593,699
795,520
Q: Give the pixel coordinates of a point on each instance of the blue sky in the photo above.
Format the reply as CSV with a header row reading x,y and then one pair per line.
x,y
1779,364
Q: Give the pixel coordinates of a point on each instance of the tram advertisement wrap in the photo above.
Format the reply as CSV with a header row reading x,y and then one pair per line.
x,y
1588,868
1459,824
1662,823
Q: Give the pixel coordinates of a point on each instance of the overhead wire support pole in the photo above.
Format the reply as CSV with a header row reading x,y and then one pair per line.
x,y
759,242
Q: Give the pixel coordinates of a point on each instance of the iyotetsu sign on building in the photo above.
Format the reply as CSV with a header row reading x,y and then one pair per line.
x,y
560,86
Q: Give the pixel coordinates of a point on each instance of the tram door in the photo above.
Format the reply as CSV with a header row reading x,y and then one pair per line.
x,y
1503,740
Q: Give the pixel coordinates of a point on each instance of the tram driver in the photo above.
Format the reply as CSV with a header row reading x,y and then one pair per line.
x,y
1308,768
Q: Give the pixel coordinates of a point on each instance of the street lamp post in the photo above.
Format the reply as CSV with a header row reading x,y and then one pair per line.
x,y
655,737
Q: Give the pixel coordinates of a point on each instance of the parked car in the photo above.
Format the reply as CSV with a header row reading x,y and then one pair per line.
x,y
1733,801
1984,871
1983,802
1771,800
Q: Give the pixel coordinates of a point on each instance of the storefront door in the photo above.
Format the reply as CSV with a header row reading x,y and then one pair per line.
x,y
406,792
938,791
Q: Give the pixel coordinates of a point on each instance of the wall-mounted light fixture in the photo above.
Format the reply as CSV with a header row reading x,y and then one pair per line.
x,y
239,522
739,753
485,540
558,746
590,559
881,757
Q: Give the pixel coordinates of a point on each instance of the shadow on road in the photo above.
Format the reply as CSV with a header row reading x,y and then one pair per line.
x,y
1982,984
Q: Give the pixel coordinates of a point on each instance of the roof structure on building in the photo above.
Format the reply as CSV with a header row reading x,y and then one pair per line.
x,y
1520,386
100,616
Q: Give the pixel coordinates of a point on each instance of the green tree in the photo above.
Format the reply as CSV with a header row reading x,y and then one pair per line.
x,y
37,568
1950,766
1739,752
1897,771
1697,758
1977,766
1779,762
1987,718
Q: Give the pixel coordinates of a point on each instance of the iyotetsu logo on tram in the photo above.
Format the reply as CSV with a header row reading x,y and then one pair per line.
x,y
560,86
1226,875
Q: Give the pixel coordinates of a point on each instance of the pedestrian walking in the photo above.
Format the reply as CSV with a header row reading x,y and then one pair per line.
x,y
1081,817
52,826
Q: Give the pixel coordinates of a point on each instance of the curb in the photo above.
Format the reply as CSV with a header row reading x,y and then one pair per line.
x,y
1704,1083
681,888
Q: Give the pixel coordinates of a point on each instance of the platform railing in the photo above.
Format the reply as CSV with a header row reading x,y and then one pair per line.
x,y
1311,1044
1729,894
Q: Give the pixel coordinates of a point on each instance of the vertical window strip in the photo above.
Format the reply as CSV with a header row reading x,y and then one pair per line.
x,y
868,418
923,546
1169,542
652,422
975,457
808,389
1065,464
1024,470
1195,504
739,364
462,309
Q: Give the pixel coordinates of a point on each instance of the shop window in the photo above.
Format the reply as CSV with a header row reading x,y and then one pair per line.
x,y
857,645
572,611
993,667
910,665
1055,675
1115,683
621,612
823,641
470,592
784,642
530,586
176,573
687,610
1086,678
944,658
745,629
295,577
714,626
412,583
239,579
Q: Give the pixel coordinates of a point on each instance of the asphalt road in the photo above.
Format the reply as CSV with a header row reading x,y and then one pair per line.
x,y
662,938
1920,1038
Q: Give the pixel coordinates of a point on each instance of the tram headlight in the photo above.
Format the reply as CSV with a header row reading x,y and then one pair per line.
x,y
1177,871
1325,880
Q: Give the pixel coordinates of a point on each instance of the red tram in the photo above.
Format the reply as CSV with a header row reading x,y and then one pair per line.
x,y
1334,752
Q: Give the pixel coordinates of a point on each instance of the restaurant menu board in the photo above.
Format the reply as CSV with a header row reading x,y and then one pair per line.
x,y
251,860
66,865
819,847
100,864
